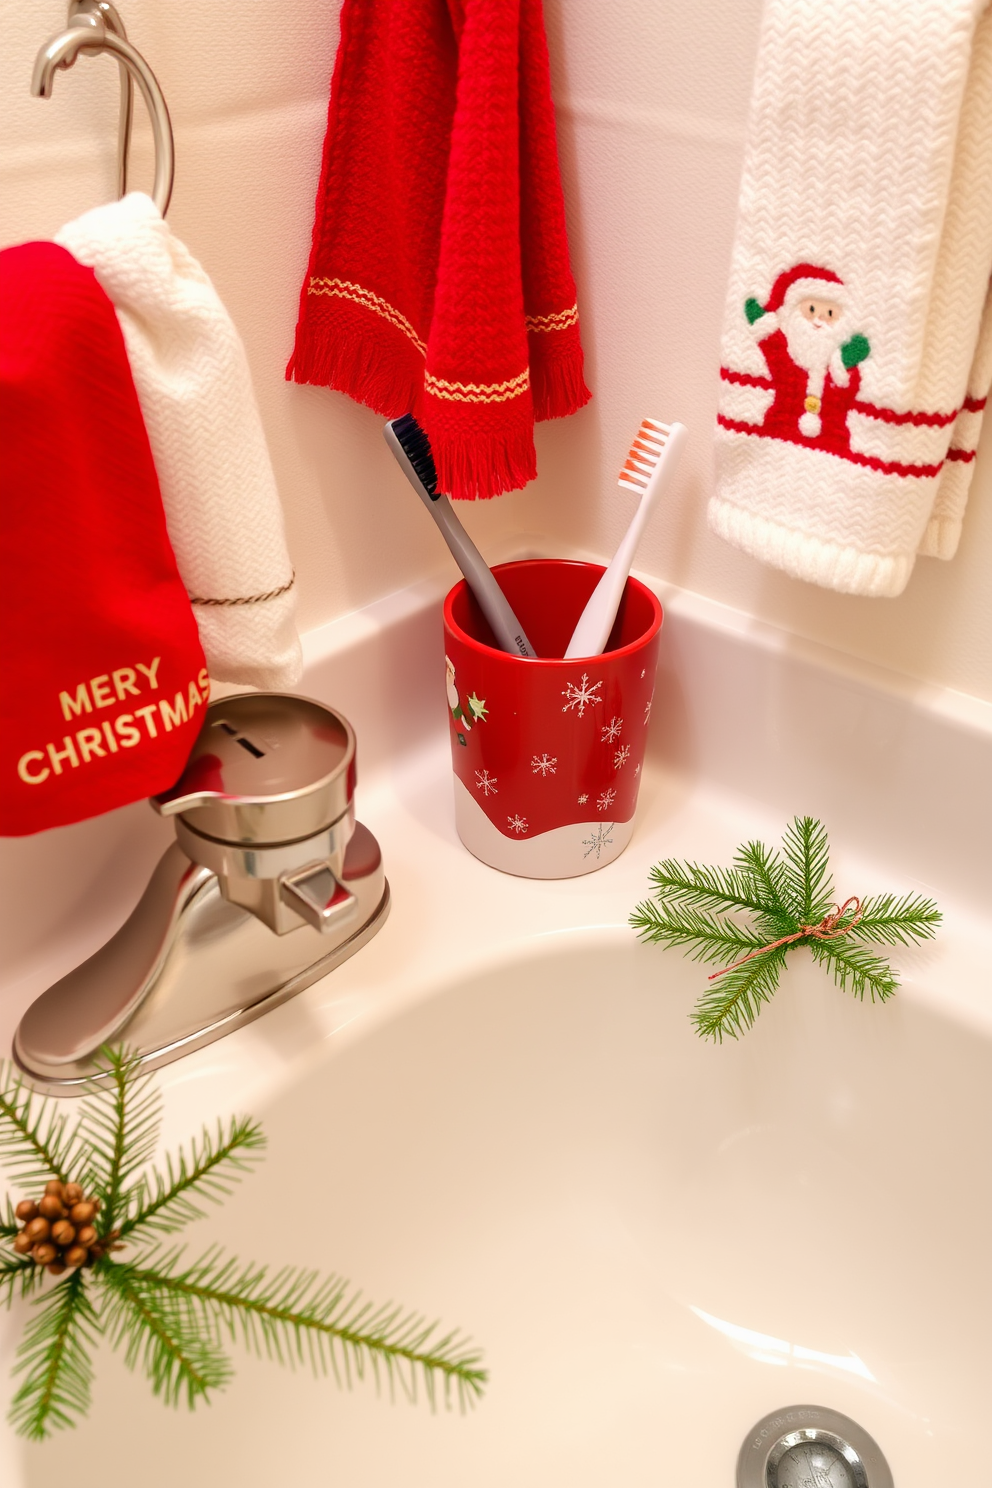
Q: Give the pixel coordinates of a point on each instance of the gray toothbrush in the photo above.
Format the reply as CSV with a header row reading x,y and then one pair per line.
x,y
412,449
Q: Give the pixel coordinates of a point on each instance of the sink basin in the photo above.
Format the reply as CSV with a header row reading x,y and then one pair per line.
x,y
498,1112
655,1240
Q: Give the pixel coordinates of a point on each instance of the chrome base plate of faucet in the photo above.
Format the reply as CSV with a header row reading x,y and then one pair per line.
x,y
807,1444
186,968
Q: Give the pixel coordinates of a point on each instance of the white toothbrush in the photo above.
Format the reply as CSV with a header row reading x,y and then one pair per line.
x,y
648,469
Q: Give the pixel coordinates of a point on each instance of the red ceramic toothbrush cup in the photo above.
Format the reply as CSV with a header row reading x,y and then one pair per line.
x,y
548,753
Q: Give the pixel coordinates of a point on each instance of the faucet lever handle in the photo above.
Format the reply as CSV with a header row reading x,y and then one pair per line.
x,y
316,896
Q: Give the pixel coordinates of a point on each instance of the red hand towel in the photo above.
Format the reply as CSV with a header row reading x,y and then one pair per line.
x,y
104,685
439,279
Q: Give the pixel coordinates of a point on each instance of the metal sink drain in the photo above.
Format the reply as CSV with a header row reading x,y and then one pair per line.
x,y
808,1446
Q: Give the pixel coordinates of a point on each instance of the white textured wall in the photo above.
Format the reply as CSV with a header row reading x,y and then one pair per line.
x,y
652,98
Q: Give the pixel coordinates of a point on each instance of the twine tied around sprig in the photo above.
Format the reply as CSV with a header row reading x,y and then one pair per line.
x,y
829,928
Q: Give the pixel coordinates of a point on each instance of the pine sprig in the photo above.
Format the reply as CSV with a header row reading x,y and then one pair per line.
x,y
55,1358
708,888
763,867
35,1143
730,1005
168,1316
856,970
19,1277
808,886
705,936
119,1127
891,921
790,898
165,1203
296,1316
179,1359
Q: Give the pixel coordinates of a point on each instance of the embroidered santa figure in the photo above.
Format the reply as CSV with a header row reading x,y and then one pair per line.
x,y
813,359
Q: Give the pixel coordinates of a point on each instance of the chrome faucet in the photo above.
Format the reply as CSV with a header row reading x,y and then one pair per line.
x,y
270,884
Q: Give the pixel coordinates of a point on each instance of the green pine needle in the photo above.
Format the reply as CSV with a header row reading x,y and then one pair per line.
x,y
170,1317
698,909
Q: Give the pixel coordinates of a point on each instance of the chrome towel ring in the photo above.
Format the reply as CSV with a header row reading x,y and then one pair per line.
x,y
94,27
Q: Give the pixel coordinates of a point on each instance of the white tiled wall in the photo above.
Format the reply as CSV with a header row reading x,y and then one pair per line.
x,y
652,97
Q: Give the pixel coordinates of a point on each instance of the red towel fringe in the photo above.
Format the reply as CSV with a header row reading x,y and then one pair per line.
x,y
557,385
357,365
471,466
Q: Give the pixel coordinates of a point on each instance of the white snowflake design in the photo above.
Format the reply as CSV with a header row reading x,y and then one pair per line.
x,y
606,799
647,708
621,756
544,765
637,769
610,732
486,783
581,695
598,840
583,800
517,824
643,673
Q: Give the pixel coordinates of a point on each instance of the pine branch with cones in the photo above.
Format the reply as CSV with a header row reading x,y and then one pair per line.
x,y
168,1315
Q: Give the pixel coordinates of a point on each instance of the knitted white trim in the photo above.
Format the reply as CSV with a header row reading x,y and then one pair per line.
x,y
803,556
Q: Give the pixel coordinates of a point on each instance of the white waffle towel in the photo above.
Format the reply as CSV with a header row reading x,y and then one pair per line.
x,y
857,348
218,490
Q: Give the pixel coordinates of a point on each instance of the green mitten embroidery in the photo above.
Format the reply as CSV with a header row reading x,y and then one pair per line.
x,y
855,351
754,311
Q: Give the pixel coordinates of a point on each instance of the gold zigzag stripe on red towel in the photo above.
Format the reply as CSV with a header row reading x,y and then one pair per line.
x,y
478,392
557,322
343,289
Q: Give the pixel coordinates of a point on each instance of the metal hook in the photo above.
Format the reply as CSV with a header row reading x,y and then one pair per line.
x,y
112,19
94,30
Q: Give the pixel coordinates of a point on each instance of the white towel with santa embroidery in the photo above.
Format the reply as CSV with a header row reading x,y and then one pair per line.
x,y
219,493
857,347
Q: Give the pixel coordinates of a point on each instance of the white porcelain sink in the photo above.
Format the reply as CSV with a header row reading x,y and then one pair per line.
x,y
656,1240
498,1113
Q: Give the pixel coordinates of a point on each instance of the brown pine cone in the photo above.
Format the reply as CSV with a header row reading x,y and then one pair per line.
x,y
58,1231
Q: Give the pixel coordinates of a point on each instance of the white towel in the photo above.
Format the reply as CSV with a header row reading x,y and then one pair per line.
x,y
857,348
218,490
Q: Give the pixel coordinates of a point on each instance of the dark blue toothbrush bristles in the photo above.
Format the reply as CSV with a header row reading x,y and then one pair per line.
x,y
417,448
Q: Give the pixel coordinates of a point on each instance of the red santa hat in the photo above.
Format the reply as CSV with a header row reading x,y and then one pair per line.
x,y
801,279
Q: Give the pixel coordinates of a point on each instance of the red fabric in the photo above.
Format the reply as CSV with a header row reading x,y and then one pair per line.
x,y
104,684
786,280
781,421
439,280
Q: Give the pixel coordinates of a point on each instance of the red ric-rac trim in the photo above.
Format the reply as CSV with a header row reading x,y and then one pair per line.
x,y
884,467
890,416
871,410
746,379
